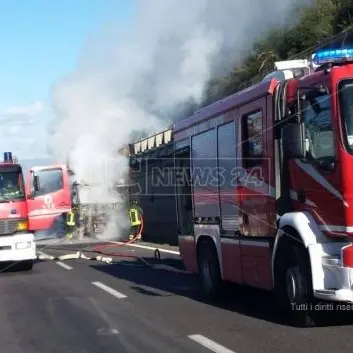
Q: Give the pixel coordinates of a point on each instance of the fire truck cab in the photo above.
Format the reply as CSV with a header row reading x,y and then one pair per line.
x,y
48,190
267,199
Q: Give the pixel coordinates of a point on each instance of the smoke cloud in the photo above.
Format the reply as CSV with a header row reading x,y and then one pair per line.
x,y
134,79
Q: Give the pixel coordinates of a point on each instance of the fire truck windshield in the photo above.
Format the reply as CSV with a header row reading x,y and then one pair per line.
x,y
51,180
318,126
11,186
345,94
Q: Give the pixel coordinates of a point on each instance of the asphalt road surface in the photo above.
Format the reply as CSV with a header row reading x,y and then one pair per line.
x,y
87,306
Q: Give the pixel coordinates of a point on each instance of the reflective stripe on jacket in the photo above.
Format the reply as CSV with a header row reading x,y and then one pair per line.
x,y
70,219
134,217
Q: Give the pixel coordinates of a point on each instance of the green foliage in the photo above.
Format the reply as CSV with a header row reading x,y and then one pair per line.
x,y
316,24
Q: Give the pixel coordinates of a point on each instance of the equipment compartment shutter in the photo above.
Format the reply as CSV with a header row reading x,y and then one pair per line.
x,y
204,174
227,176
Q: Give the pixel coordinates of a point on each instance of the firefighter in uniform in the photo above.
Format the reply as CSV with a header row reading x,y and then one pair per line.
x,y
135,215
70,223
72,217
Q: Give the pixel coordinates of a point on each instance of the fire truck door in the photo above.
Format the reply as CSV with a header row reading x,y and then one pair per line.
x,y
316,182
48,196
256,203
256,206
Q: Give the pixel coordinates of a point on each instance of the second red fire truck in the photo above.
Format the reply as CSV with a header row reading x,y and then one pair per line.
x,y
265,192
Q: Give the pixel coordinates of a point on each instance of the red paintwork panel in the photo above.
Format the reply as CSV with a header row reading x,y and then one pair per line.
x,y
320,195
224,105
187,248
260,212
324,200
231,264
256,266
19,206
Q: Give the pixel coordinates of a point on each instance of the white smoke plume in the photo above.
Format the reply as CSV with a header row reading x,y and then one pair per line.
x,y
132,79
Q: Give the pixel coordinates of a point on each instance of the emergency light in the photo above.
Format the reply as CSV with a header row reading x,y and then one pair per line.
x,y
332,56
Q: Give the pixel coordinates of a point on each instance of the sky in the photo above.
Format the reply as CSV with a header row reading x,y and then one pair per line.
x,y
40,43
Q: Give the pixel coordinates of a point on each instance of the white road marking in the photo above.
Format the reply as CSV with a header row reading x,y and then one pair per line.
x,y
211,345
147,247
43,256
67,267
107,331
109,290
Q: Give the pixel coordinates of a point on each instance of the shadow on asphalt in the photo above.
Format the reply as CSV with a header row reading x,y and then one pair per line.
x,y
11,268
243,300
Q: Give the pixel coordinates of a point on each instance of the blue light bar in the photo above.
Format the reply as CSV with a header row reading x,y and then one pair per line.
x,y
332,56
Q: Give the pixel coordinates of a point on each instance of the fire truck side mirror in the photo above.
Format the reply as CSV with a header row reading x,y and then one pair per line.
x,y
36,183
293,141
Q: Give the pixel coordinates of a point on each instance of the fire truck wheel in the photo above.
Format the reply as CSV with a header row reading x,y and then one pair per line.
x,y
26,265
209,271
294,284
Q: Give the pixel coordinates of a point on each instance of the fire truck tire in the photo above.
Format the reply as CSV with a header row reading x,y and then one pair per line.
x,y
26,265
209,270
294,283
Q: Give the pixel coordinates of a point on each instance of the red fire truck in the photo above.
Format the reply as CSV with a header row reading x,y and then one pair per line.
x,y
268,197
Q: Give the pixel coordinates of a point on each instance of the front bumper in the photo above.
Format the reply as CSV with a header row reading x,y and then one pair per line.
x,y
18,247
340,295
337,282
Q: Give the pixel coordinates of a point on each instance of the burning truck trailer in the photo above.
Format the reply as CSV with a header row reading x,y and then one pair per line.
x,y
150,182
93,215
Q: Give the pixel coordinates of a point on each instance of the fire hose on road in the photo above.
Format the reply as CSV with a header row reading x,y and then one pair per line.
x,y
103,256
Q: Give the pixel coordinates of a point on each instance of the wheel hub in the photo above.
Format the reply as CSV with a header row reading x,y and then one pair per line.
x,y
207,272
294,285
